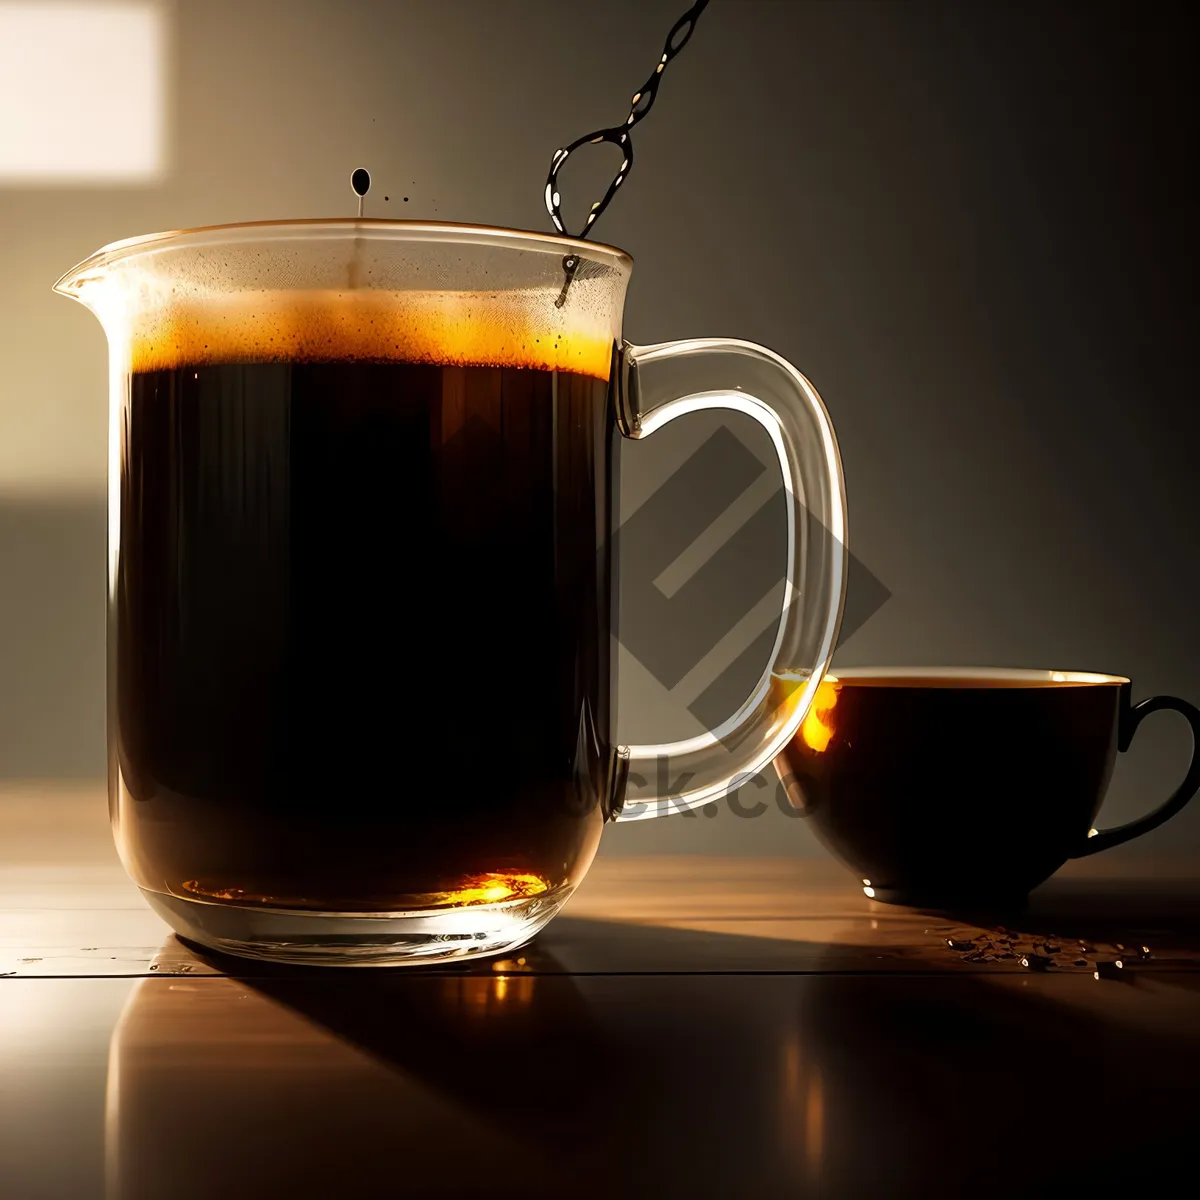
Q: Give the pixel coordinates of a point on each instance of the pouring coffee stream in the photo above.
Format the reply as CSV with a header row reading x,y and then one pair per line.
x,y
619,136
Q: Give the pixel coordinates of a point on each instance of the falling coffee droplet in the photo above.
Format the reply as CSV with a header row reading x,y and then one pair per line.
x,y
619,136
360,183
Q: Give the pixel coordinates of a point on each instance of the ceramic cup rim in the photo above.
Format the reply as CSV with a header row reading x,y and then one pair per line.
x,y
978,678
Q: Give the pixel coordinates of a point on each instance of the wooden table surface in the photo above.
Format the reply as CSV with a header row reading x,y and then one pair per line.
x,y
689,1027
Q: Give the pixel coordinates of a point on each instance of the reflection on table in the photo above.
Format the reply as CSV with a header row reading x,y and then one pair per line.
x,y
530,1082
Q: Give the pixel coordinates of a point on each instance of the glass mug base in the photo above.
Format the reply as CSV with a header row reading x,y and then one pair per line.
x,y
316,939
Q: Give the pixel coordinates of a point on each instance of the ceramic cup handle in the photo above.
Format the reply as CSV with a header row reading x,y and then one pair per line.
x,y
1131,718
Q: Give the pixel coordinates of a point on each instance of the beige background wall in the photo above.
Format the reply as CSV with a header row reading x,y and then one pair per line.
x,y
966,223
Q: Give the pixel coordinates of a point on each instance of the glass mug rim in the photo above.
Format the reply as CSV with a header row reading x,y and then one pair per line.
x,y
975,678
381,228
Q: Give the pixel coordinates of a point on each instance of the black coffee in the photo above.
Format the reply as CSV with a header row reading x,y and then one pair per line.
x,y
361,629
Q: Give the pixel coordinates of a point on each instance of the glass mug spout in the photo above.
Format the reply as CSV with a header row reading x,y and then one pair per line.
x,y
361,595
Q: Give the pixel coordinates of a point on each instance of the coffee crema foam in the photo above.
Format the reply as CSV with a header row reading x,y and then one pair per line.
x,y
468,329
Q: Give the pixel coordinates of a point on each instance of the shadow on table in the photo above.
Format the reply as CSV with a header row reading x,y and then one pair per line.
x,y
1002,1085
1121,911
1165,920
517,1079
1017,1083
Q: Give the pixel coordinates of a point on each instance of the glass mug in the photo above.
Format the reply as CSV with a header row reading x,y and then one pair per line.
x,y
361,597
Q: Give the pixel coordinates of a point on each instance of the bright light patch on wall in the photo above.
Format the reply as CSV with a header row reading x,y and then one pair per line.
x,y
82,90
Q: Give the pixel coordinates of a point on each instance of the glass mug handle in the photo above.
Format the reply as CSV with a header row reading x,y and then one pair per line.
x,y
660,383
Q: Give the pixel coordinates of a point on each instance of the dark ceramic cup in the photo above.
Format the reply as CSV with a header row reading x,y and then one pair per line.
x,y
949,787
